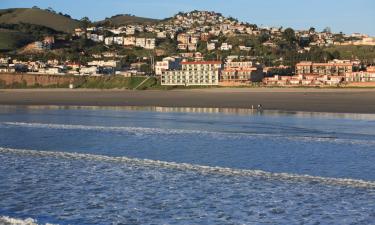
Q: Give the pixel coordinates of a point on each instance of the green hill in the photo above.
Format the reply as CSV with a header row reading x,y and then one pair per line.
x,y
10,40
119,20
38,17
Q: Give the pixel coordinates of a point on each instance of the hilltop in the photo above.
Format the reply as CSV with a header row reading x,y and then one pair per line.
x,y
39,17
125,19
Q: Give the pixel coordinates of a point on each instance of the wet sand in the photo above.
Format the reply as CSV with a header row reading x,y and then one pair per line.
x,y
291,99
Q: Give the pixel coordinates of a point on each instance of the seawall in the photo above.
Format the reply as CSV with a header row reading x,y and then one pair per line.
x,y
34,80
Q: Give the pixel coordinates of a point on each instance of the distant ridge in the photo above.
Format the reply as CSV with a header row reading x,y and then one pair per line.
x,y
38,17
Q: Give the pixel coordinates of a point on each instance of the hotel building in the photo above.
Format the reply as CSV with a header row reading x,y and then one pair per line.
x,y
204,73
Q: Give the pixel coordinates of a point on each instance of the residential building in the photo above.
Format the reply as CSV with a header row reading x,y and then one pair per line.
x,y
168,63
118,40
92,70
244,48
108,40
147,43
183,38
211,46
130,30
79,32
241,72
161,34
129,41
182,46
51,71
150,43
335,67
363,76
204,73
225,47
192,47
140,42
101,63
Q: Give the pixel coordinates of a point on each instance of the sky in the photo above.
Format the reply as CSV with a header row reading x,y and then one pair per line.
x,y
346,16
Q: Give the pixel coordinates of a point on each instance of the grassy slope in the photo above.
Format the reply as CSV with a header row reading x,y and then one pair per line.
x,y
124,20
112,82
348,52
38,17
12,39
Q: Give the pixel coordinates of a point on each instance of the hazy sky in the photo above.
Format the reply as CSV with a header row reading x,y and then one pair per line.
x,y
341,15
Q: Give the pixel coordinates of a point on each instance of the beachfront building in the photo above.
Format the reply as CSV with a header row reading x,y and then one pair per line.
x,y
168,63
303,80
332,68
204,73
363,76
240,73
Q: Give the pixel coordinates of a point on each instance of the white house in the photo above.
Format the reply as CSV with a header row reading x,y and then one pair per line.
x,y
225,47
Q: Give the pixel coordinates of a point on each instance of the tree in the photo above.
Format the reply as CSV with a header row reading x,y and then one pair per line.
x,y
263,37
50,9
289,35
85,22
336,54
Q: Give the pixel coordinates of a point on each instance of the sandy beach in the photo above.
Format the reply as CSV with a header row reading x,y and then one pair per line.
x,y
291,99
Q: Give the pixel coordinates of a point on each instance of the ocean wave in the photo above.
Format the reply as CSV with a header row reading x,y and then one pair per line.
x,y
6,220
169,131
142,130
196,168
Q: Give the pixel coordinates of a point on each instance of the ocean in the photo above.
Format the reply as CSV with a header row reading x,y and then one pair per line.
x,y
154,165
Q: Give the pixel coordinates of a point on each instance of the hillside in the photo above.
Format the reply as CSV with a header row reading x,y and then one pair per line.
x,y
119,20
38,17
10,40
364,53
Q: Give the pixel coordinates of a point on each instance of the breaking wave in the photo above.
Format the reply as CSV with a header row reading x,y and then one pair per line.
x,y
5,220
195,168
169,131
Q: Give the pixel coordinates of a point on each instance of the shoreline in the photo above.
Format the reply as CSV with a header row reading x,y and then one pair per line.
x,y
282,99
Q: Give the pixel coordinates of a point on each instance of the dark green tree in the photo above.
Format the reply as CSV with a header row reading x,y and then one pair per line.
x,y
289,35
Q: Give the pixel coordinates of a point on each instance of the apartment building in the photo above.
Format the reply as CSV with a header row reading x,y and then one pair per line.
x,y
363,76
108,41
241,72
118,40
332,68
129,41
204,73
147,43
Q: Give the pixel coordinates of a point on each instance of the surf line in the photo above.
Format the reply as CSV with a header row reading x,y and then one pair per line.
x,y
169,131
196,168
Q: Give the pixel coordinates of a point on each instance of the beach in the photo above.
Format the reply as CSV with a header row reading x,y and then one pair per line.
x,y
285,99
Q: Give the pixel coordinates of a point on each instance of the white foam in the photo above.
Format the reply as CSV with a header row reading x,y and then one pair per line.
x,y
5,220
143,130
168,131
196,168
